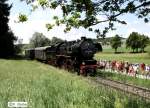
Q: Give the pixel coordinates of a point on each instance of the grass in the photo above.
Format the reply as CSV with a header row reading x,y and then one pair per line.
x,y
43,86
130,57
108,54
108,49
123,49
125,79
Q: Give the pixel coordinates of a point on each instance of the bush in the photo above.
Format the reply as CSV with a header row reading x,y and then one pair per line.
x,y
148,50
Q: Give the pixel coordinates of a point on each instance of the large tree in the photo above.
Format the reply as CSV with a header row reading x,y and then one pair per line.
x,y
133,41
144,41
56,40
39,40
6,36
116,42
137,41
93,12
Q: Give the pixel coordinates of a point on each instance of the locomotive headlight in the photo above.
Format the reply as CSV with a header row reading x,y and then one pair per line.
x,y
83,63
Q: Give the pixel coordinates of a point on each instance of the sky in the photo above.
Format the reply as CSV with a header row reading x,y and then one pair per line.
x,y
38,19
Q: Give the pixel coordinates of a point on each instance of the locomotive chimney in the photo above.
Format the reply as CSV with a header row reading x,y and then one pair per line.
x,y
83,38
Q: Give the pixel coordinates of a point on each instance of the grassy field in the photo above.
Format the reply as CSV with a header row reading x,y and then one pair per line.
x,y
108,54
130,57
43,86
123,49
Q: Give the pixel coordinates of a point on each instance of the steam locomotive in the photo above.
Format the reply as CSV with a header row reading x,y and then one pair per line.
x,y
73,55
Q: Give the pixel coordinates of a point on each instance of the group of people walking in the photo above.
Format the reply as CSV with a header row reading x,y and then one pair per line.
x,y
124,67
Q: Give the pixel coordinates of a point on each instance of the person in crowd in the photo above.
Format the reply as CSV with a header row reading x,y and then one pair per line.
x,y
131,70
126,67
147,70
135,69
142,68
113,65
108,66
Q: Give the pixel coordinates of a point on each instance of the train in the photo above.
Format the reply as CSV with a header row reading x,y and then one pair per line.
x,y
76,56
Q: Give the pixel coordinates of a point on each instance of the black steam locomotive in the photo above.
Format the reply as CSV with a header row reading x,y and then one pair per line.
x,y
73,55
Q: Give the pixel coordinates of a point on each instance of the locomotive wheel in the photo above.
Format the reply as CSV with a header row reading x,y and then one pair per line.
x,y
93,73
83,72
69,65
77,70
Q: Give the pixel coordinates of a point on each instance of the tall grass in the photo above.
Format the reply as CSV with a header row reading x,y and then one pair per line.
x,y
43,86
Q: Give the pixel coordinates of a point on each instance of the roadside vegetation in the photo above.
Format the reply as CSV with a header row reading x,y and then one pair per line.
x,y
125,79
43,86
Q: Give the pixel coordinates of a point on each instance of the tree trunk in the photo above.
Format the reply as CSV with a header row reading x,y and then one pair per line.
x,y
133,50
137,50
142,50
115,50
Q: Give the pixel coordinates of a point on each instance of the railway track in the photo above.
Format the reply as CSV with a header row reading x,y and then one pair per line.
x,y
136,90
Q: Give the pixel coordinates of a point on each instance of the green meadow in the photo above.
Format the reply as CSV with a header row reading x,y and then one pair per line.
x,y
130,57
123,55
44,86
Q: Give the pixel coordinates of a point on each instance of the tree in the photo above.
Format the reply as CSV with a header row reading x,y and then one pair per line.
x,y
116,42
92,11
133,41
19,46
56,40
137,41
144,40
148,49
39,40
7,38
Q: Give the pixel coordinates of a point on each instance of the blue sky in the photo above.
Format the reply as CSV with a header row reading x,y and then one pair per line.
x,y
39,18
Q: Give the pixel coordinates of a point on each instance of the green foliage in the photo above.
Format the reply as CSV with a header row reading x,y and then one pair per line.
x,y
110,10
55,40
7,37
42,2
133,41
39,40
54,4
116,42
49,26
19,46
144,40
22,18
136,41
148,49
43,86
